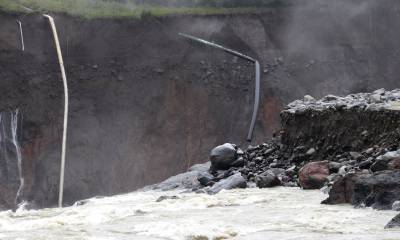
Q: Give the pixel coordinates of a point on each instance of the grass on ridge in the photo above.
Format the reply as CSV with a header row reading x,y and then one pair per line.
x,y
104,8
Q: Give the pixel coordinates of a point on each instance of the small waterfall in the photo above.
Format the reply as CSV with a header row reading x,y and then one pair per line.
x,y
14,133
9,146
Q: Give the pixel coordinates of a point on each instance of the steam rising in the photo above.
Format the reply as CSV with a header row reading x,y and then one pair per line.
x,y
345,45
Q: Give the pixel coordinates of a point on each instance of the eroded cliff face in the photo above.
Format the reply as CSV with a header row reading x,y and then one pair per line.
x,y
145,104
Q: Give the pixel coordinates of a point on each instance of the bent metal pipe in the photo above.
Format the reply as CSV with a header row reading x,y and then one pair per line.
x,y
64,77
257,80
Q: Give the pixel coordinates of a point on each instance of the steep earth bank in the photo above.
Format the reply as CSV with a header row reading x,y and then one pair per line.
x,y
145,104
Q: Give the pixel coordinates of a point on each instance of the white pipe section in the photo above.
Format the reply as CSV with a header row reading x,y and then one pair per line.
x,y
21,34
64,139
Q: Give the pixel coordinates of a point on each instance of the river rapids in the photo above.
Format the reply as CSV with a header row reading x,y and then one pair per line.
x,y
275,213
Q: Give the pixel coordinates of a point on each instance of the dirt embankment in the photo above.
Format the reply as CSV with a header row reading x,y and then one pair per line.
x,y
145,104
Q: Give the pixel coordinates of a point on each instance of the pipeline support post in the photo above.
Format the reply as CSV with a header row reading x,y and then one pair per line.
x,y
66,98
257,76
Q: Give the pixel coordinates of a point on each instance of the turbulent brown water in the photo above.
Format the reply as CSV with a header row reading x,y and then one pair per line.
x,y
284,213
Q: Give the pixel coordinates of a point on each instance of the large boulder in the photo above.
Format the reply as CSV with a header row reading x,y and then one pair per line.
x,y
187,180
314,175
379,190
223,157
394,223
234,181
343,188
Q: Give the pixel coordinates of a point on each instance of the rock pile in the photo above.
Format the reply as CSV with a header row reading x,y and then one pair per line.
x,y
349,146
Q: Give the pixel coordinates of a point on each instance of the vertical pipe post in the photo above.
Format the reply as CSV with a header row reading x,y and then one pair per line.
x,y
65,125
256,101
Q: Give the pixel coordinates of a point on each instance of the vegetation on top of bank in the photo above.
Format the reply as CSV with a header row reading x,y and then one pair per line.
x,y
138,8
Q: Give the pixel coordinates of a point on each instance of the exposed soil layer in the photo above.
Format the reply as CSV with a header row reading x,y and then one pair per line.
x,y
339,128
145,104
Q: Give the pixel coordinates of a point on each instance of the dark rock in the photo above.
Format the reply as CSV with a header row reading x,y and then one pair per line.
x,y
229,173
239,162
162,198
342,189
267,180
380,165
234,181
223,156
366,164
205,179
394,223
314,175
218,175
379,190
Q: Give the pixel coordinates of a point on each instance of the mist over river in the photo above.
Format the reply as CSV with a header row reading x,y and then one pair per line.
x,y
275,213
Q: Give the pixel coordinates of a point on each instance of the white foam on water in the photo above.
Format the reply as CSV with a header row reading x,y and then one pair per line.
x,y
284,213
